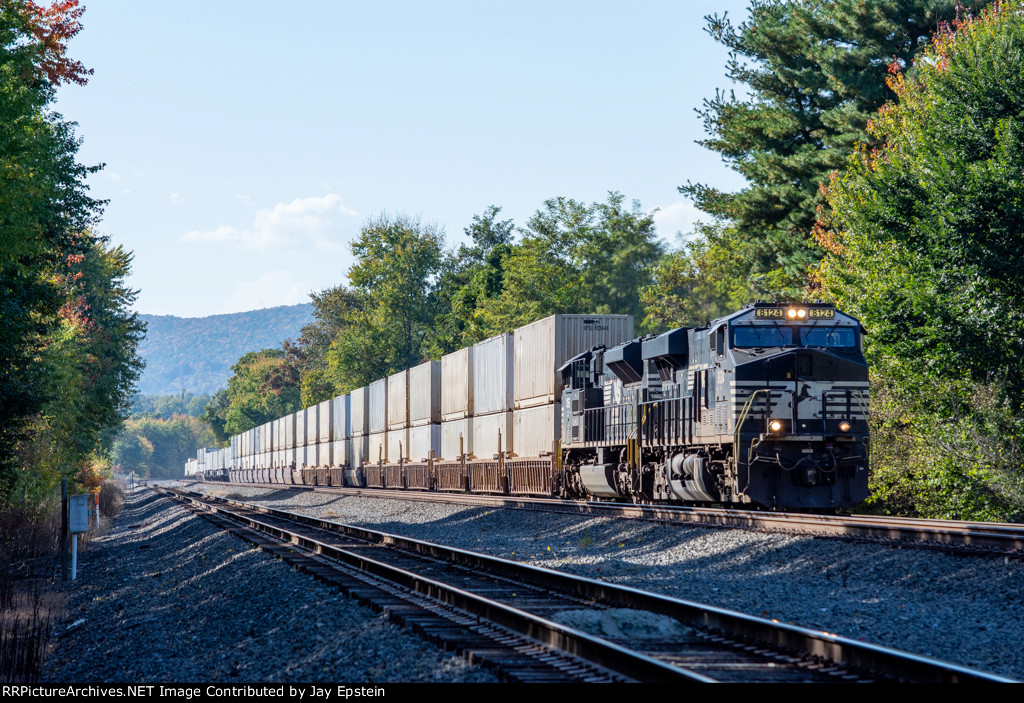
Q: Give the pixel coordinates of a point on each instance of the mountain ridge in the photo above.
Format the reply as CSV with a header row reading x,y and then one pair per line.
x,y
196,353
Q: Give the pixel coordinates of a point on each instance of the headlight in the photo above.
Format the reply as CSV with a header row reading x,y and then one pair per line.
x,y
844,426
775,425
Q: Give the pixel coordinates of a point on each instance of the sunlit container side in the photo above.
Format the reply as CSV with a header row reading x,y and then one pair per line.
x,y
236,445
425,394
398,400
450,433
341,417
312,424
300,429
360,450
359,407
535,430
378,411
301,457
340,452
324,454
457,385
268,437
256,440
325,422
491,432
543,346
492,374
423,440
398,445
377,449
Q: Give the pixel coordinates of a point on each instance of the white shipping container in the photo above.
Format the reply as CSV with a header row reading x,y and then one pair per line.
x,y
398,400
359,406
339,452
490,432
378,406
536,429
341,418
423,440
268,437
359,446
256,440
457,384
312,424
378,447
543,346
300,429
450,433
493,366
325,454
398,445
425,394
325,421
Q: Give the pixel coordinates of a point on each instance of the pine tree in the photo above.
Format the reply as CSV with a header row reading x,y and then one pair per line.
x,y
814,74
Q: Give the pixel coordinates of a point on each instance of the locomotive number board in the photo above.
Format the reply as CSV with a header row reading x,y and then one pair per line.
x,y
780,314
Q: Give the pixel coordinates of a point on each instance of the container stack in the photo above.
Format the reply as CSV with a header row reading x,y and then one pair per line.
x,y
359,426
457,404
378,421
398,418
493,370
540,349
424,435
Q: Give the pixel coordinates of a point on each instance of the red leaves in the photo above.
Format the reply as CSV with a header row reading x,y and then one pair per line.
x,y
53,26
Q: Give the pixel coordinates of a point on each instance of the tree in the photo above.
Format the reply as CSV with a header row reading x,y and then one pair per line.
x,y
264,387
574,258
813,73
923,244
394,284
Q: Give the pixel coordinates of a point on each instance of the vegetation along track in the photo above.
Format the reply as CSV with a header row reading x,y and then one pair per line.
x,y
530,623
952,536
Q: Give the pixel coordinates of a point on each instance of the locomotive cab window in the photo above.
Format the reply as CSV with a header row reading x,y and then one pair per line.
x,y
828,337
762,336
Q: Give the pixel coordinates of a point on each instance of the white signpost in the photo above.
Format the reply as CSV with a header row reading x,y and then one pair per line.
x,y
78,522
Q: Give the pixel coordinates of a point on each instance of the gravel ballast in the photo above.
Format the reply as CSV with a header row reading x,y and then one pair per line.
x,y
165,596
964,609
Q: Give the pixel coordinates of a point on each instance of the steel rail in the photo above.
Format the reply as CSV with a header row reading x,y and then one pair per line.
x,y
844,652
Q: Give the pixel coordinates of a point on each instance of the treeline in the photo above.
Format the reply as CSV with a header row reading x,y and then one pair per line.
x,y
880,143
68,342
156,447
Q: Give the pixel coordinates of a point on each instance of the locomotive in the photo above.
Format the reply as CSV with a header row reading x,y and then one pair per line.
x,y
766,406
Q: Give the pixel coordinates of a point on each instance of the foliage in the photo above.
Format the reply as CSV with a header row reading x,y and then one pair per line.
x,y
167,406
158,448
812,73
264,387
572,258
922,244
393,283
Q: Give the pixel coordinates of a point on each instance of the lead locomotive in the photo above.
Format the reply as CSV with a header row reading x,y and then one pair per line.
x,y
766,406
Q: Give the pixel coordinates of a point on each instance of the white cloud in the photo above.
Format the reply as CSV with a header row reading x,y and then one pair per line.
x,y
677,218
268,290
319,223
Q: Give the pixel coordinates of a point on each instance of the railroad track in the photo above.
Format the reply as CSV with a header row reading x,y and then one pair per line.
x,y
532,624
958,537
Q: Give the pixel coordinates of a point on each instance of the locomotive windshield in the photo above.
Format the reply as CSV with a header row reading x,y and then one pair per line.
x,y
755,336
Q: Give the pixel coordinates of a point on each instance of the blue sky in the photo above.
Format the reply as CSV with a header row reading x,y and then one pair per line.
x,y
246,142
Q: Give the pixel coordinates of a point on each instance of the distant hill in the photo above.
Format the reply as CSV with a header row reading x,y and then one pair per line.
x,y
196,353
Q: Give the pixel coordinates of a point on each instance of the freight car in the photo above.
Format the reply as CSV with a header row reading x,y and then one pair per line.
x,y
765,407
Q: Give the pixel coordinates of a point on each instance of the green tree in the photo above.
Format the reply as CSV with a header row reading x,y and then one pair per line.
x,y
813,75
923,244
264,387
575,258
394,284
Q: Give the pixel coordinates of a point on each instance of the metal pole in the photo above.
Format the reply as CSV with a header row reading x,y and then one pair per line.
x,y
63,529
74,557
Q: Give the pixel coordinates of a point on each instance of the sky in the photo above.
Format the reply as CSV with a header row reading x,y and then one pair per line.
x,y
246,143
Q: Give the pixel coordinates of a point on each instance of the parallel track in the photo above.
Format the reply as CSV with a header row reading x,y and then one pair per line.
x,y
978,538
512,615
